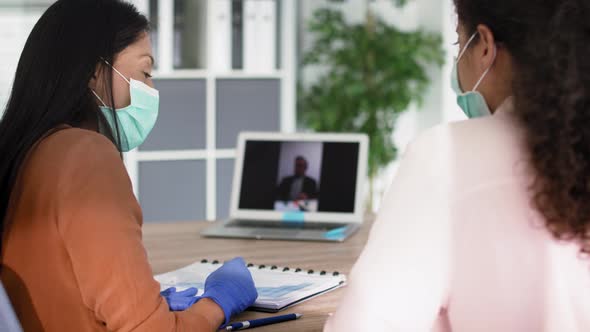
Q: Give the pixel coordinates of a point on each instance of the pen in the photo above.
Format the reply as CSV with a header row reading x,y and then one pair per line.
x,y
261,322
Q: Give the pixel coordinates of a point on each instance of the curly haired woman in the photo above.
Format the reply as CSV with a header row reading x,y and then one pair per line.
x,y
487,226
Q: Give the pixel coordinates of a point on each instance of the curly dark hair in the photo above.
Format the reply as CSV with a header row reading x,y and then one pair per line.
x,y
548,43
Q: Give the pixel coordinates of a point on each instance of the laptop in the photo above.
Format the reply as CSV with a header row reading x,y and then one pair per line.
x,y
296,187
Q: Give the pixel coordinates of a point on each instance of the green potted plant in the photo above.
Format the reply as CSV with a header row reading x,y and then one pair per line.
x,y
374,71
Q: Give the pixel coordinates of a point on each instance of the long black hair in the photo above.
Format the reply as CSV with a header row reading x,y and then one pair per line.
x,y
68,44
548,44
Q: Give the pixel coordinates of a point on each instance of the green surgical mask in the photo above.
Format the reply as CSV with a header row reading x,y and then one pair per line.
x,y
472,102
137,120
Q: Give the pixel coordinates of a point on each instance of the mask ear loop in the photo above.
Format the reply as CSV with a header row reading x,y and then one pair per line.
x,y
100,99
487,70
469,41
118,72
467,46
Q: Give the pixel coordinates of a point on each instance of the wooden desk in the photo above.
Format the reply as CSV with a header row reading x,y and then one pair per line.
x,y
174,245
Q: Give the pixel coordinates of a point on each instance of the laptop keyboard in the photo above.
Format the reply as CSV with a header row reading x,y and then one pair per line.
x,y
270,225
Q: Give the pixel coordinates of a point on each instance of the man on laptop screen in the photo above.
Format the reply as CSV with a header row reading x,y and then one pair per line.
x,y
296,186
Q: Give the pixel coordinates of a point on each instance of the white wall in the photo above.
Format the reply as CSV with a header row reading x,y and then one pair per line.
x,y
312,152
439,102
15,26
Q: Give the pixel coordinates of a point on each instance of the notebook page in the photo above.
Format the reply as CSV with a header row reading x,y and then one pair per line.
x,y
193,275
276,288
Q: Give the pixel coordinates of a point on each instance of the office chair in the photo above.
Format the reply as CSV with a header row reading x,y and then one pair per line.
x,y
8,321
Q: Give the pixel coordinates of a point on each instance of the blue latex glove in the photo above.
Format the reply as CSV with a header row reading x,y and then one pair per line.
x,y
231,287
179,301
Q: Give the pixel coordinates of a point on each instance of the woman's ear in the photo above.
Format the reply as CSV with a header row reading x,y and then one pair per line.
x,y
93,84
487,47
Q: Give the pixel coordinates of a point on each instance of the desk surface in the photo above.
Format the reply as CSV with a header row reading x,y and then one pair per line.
x,y
174,245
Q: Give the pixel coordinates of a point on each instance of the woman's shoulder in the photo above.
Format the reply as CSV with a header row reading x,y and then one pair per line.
x,y
67,150
490,145
498,131
65,141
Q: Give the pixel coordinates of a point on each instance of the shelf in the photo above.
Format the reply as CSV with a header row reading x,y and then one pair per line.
x,y
169,155
173,155
187,35
204,74
181,74
239,74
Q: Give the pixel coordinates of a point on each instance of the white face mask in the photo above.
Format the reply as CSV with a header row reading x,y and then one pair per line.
x,y
471,102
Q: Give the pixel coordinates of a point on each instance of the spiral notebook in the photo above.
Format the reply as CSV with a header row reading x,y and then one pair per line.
x,y
278,287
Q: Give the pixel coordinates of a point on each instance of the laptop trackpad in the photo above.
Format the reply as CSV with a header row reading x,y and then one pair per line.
x,y
270,232
277,231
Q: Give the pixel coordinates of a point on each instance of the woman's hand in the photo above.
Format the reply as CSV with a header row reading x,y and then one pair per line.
x,y
231,287
180,301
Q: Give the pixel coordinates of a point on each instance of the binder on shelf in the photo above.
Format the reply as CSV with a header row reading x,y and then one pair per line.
x,y
221,43
260,34
267,32
278,287
250,18
189,36
237,34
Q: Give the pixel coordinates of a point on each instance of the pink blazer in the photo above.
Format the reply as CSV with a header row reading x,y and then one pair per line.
x,y
458,247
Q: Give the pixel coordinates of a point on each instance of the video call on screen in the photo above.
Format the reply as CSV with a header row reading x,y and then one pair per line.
x,y
299,176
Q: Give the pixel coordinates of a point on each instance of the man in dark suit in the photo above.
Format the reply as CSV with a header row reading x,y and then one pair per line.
x,y
299,186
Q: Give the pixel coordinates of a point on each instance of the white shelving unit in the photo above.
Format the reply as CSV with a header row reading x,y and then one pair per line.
x,y
165,58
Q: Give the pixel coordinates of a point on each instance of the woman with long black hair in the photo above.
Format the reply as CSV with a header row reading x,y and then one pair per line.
x,y
71,255
487,225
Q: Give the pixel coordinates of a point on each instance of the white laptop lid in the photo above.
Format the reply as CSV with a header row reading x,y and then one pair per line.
x,y
300,177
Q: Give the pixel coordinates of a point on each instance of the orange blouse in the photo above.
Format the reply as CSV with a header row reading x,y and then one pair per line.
x,y
72,254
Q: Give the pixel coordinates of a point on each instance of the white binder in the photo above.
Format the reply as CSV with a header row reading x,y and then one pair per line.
x,y
267,32
220,57
260,33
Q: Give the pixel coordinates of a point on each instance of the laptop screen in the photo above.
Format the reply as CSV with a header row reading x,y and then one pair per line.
x,y
299,176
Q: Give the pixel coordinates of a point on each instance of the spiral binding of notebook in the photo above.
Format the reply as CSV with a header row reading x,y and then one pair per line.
x,y
278,287
278,268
